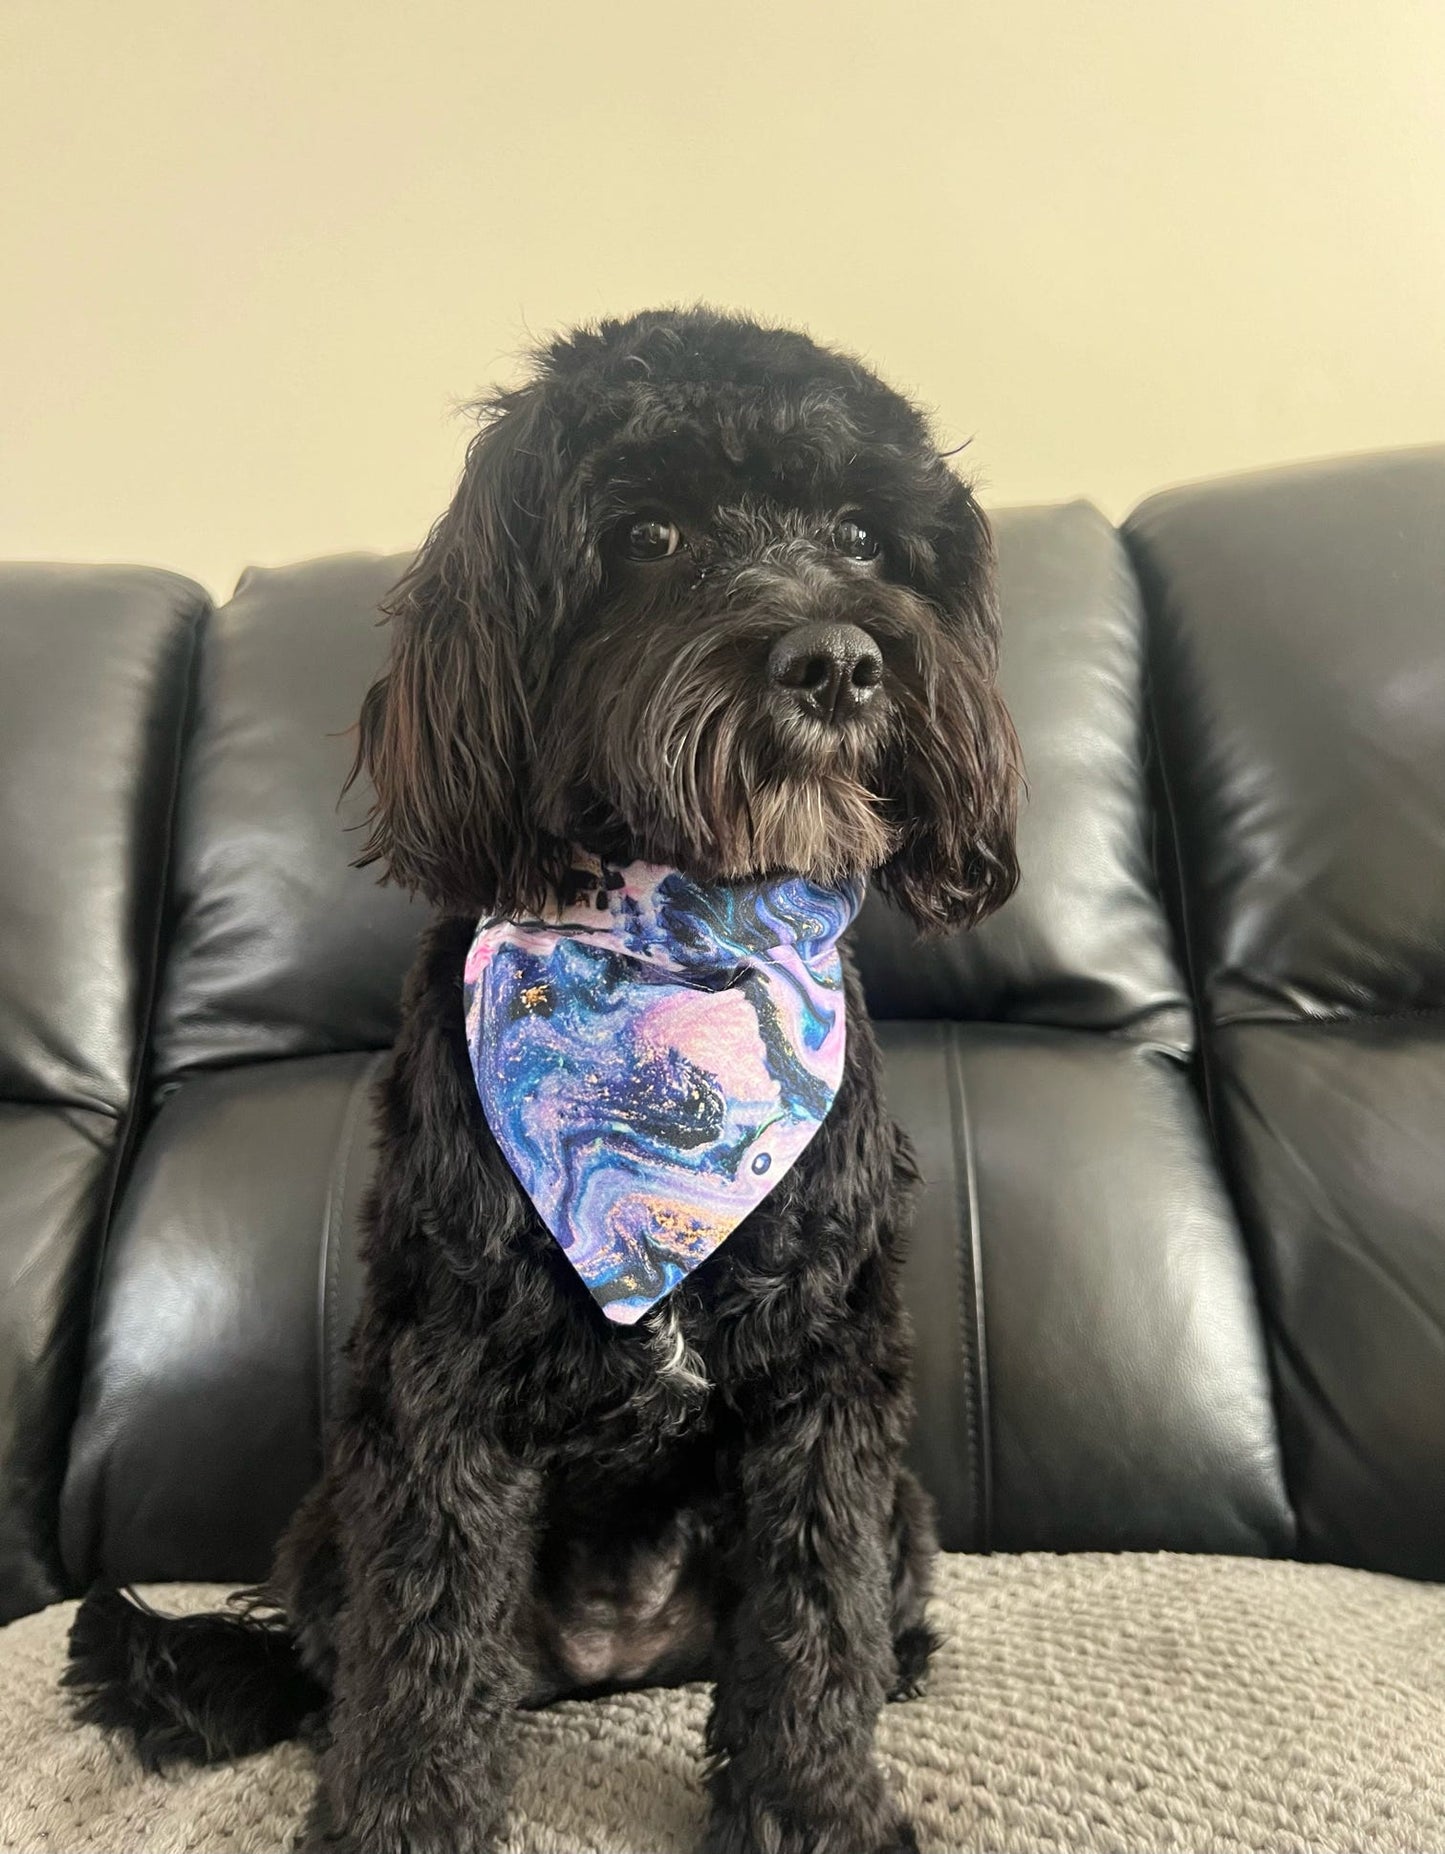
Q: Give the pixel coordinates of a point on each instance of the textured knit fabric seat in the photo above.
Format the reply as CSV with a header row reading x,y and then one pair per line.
x,y
1094,1701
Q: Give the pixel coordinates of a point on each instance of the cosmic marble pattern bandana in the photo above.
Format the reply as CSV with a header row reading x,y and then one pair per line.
x,y
652,1057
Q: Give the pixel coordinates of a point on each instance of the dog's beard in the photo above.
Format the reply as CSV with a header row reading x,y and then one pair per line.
x,y
823,827
804,808
701,767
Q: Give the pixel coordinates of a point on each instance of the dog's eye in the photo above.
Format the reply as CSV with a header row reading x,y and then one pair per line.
x,y
850,537
651,538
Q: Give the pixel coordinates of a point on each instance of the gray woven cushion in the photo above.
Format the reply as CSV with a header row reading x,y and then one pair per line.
x,y
1089,1702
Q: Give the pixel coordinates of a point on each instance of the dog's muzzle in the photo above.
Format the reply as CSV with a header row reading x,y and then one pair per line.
x,y
827,670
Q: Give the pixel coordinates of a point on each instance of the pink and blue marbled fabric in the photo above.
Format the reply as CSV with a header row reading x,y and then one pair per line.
x,y
653,1056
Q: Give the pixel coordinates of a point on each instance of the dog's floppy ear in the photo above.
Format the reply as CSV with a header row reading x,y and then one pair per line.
x,y
958,810
445,733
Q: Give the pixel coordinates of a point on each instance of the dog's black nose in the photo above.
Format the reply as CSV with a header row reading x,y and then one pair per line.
x,y
831,670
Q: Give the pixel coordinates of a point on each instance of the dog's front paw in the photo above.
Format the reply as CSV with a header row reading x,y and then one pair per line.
x,y
912,1651
397,1832
874,1824
763,1833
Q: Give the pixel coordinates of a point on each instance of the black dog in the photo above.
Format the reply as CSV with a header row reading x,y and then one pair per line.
x,y
707,596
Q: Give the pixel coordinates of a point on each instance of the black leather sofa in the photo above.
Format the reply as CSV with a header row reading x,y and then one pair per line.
x,y
1178,1272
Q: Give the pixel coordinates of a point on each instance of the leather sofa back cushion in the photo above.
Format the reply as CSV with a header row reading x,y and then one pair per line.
x,y
280,947
1299,660
1298,668
1084,943
92,691
94,670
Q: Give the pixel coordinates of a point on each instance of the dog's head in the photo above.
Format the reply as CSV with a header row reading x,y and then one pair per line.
x,y
707,595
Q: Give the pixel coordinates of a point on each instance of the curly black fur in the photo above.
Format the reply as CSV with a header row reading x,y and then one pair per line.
x,y
188,1689
521,1500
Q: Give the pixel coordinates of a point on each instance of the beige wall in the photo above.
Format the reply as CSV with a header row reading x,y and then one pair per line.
x,y
256,251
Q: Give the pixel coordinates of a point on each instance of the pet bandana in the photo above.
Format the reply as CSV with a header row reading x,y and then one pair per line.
x,y
652,1057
